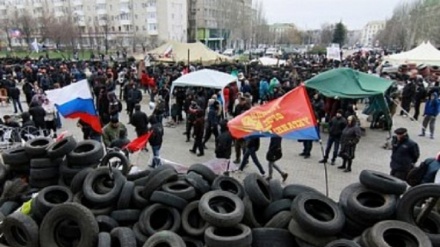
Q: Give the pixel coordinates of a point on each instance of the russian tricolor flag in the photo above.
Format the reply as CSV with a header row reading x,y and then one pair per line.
x,y
76,101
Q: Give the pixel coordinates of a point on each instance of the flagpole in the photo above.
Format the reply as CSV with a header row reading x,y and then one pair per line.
x,y
325,167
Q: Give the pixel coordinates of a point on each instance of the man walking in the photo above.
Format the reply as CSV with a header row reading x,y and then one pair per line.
x,y
405,153
252,146
336,126
139,120
14,94
431,111
156,139
274,154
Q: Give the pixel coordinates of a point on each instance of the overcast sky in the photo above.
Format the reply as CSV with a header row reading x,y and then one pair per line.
x,y
310,14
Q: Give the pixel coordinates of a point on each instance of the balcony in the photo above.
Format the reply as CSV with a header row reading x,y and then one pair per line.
x,y
38,4
58,4
151,9
125,10
101,11
125,22
77,3
20,6
152,20
101,1
78,12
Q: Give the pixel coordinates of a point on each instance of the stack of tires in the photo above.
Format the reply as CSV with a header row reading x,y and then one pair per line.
x,y
152,208
85,154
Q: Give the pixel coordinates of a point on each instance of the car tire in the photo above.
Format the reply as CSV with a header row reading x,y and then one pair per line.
x,y
382,182
318,214
37,147
228,184
61,147
257,189
86,152
82,216
165,238
238,235
20,230
181,189
192,222
204,171
234,212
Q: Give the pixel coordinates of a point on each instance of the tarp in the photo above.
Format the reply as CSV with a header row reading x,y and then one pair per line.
x,y
348,83
352,84
205,78
174,51
268,61
290,116
425,53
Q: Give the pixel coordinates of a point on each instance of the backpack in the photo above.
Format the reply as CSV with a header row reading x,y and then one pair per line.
x,y
416,174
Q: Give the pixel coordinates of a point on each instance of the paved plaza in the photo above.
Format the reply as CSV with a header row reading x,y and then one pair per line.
x,y
369,154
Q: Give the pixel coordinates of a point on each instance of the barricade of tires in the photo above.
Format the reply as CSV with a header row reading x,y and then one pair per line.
x,y
96,206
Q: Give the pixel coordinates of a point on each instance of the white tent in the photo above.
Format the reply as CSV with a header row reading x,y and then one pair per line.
x,y
268,61
425,53
205,78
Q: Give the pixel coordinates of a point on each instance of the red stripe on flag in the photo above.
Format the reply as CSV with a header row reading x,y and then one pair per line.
x,y
138,143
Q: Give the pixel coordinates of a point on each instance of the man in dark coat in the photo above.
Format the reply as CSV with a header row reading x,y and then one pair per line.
x,y
14,94
223,143
408,93
156,139
419,97
336,126
252,146
139,120
199,125
211,123
37,112
274,154
134,96
240,144
190,118
405,153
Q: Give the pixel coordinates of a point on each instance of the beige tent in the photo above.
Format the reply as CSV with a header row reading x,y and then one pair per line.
x,y
425,53
174,51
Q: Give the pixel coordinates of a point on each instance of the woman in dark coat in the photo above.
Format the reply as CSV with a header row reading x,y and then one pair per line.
x,y
349,139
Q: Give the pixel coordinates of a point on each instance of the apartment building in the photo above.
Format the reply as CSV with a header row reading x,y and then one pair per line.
x,y
120,22
370,31
220,23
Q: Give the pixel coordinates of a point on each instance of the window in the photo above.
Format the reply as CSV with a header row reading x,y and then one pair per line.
x,y
152,27
144,28
135,16
137,28
119,28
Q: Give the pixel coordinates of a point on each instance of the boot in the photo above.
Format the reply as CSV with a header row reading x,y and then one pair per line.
x,y
423,132
348,169
341,167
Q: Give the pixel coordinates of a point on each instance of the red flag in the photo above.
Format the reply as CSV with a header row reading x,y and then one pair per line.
x,y
290,116
138,143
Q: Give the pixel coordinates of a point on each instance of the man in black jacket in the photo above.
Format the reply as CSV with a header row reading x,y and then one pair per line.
x,y
14,94
139,120
156,139
252,146
223,143
405,153
419,97
336,126
240,144
134,96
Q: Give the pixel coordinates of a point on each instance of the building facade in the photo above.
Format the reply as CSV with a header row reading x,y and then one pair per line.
x,y
370,32
220,23
121,22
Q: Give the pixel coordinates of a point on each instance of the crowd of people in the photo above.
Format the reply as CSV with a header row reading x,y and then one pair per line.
x,y
121,87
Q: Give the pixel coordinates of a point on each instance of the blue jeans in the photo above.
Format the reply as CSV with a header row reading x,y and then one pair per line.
x,y
332,140
16,102
252,153
156,159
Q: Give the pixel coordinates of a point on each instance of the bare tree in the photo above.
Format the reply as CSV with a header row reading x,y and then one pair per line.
x,y
6,25
26,23
262,32
327,33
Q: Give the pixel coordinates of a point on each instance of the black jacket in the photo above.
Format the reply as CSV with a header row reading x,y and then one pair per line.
x,y
156,137
134,96
275,149
37,113
253,142
336,126
139,120
223,145
14,93
405,153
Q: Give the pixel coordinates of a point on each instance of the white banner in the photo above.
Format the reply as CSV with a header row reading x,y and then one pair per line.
x,y
334,53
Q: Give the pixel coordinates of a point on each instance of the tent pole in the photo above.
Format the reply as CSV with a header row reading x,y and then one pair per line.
x,y
325,167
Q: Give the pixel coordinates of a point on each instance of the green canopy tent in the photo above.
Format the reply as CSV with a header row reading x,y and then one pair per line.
x,y
352,84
